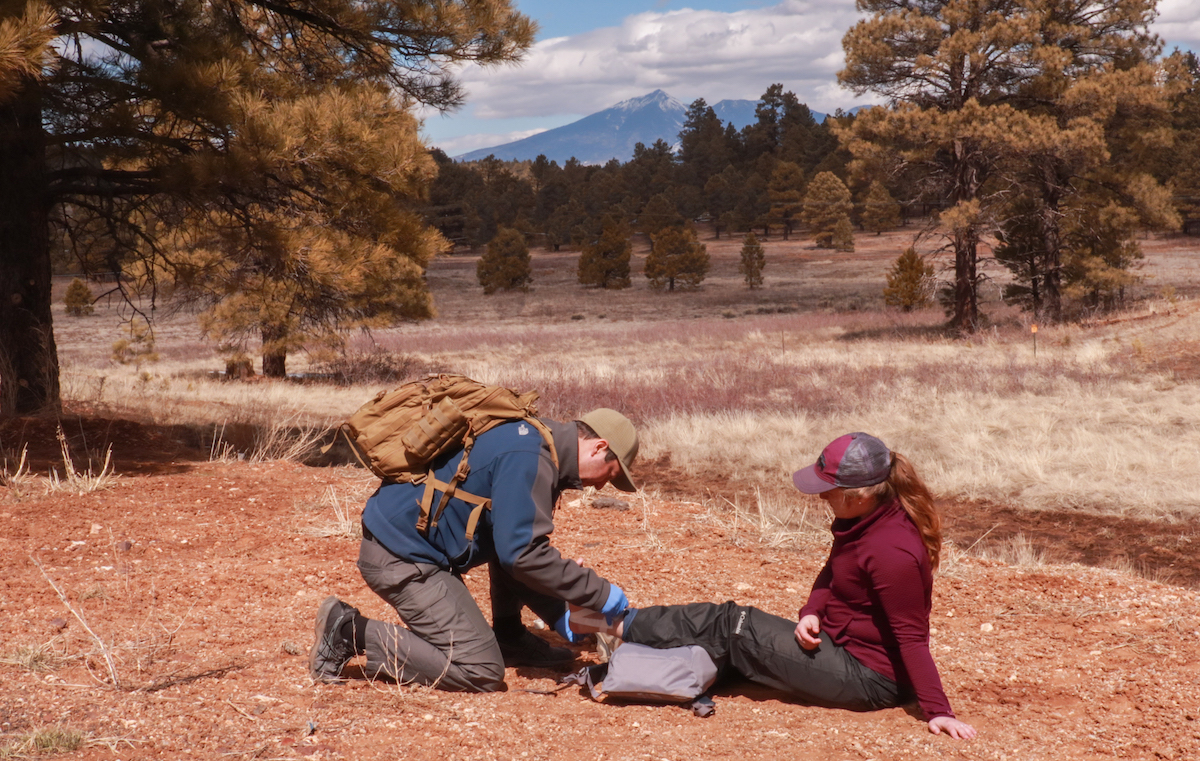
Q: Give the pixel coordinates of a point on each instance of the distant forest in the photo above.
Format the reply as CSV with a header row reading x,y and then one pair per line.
x,y
738,180
754,179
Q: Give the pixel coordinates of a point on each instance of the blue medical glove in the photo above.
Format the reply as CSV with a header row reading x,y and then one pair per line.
x,y
563,627
616,603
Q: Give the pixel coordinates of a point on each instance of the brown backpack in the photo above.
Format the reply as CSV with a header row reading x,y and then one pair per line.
x,y
399,433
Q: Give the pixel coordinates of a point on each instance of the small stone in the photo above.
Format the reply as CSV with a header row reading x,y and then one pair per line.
x,y
741,586
58,624
609,503
124,545
986,627
96,529
291,648
428,717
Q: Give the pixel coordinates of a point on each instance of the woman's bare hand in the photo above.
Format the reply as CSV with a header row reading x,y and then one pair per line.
x,y
959,730
808,632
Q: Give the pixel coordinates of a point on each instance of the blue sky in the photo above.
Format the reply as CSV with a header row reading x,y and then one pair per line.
x,y
590,55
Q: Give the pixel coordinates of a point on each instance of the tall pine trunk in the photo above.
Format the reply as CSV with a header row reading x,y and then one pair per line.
x,y
28,357
968,177
966,301
1050,223
274,357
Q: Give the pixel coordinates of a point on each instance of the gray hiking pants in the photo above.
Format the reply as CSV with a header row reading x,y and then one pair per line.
x,y
763,648
447,643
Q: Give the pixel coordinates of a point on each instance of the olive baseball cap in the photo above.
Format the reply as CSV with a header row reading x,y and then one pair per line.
x,y
850,462
622,439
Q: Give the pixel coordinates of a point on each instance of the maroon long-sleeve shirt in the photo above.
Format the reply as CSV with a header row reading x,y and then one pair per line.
x,y
874,596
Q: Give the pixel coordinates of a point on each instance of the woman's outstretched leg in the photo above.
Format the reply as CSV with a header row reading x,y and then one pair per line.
x,y
763,648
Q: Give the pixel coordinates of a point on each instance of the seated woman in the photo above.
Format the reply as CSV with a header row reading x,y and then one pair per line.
x,y
863,638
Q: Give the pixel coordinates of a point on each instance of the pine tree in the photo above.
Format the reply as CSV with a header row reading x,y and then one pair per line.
x,y
1002,97
25,37
721,198
753,261
138,349
787,180
704,149
843,235
506,266
605,262
676,255
146,123
303,278
1019,247
910,283
78,298
880,210
825,205
1099,254
1179,165
658,214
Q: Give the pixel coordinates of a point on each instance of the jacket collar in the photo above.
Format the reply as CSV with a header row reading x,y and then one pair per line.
x,y
849,528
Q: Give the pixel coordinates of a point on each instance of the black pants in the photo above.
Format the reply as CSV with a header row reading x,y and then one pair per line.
x,y
508,597
763,648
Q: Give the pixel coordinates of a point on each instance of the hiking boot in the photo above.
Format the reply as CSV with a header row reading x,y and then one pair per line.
x,y
531,650
331,651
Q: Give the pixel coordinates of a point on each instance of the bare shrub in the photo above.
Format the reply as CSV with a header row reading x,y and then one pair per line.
x,y
14,473
364,367
47,740
81,482
105,649
286,439
1015,550
341,513
783,522
43,656
221,450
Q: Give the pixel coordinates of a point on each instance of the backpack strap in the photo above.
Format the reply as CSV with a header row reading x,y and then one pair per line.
x,y
449,490
484,503
543,429
429,517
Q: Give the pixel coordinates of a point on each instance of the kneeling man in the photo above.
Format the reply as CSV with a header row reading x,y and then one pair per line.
x,y
447,642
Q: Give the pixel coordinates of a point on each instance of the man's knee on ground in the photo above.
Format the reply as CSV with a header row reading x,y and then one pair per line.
x,y
484,677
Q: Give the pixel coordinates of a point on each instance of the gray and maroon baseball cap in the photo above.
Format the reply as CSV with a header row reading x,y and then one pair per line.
x,y
850,461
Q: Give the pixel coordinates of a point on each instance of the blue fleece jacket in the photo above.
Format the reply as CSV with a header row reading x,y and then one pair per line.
x,y
511,464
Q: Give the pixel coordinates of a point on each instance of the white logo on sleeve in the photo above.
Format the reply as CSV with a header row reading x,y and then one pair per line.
x,y
523,430
741,620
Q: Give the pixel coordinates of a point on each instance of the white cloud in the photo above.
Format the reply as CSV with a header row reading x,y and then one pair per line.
x,y
1179,24
456,146
688,53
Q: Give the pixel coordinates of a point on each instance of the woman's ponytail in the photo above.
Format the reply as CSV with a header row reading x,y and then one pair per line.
x,y
905,485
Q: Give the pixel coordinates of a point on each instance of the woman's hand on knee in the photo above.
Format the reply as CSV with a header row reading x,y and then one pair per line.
x,y
959,730
808,632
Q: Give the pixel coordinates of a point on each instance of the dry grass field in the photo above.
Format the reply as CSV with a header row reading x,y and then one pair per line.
x,y
747,384
161,606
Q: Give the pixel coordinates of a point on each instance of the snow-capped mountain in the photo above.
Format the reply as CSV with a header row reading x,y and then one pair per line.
x,y
613,132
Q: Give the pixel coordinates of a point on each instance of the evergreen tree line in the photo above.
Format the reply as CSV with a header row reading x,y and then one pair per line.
x,y
780,173
753,178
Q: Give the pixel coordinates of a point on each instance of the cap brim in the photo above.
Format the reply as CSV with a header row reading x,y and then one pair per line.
x,y
807,481
622,480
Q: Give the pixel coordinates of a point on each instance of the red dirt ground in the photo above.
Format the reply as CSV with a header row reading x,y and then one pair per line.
x,y
201,580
